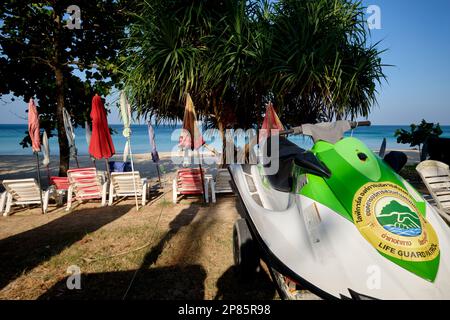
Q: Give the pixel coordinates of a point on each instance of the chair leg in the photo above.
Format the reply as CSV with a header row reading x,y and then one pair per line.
x,y
111,194
105,185
174,191
69,198
46,196
60,197
144,193
2,201
8,204
206,191
213,191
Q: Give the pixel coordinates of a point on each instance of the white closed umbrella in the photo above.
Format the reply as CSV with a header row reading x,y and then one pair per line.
x,y
46,151
70,133
125,112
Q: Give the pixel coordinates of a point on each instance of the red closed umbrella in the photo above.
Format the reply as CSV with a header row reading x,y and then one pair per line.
x,y
101,145
34,132
33,126
271,122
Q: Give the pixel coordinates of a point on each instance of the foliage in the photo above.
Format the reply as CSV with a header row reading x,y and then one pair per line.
x,y
418,133
60,67
311,57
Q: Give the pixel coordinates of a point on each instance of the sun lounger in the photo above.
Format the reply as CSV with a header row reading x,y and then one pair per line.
x,y
59,187
189,182
22,192
436,177
86,184
122,185
221,183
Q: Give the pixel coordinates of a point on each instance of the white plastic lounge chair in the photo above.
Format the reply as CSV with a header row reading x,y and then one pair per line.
x,y
22,192
221,184
189,182
86,184
436,177
122,185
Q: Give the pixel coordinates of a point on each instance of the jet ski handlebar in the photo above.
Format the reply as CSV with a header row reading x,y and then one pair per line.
x,y
299,130
355,124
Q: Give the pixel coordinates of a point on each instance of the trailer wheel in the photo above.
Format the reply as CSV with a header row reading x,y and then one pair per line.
x,y
245,250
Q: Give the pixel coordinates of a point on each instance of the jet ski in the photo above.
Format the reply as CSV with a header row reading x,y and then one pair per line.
x,y
338,221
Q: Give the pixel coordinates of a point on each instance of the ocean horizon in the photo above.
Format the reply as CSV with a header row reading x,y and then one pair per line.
x,y
166,137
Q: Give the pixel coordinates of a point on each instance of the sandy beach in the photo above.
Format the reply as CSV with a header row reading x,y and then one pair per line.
x,y
21,166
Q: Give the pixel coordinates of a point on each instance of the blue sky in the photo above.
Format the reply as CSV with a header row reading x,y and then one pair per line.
x,y
417,36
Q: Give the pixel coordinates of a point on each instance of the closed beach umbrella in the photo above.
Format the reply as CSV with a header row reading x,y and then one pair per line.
x,y
33,130
33,126
270,122
125,112
190,137
70,133
154,152
101,145
151,135
46,151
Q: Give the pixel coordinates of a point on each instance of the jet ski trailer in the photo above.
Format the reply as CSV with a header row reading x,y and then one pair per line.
x,y
338,221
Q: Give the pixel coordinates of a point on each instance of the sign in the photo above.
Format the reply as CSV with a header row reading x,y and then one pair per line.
x,y
388,218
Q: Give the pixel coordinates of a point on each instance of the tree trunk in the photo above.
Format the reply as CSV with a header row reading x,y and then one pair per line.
x,y
64,151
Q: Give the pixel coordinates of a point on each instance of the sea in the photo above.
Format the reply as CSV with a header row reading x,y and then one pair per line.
x,y
166,137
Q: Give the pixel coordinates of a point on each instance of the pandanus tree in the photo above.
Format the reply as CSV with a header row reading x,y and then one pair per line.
x,y
311,57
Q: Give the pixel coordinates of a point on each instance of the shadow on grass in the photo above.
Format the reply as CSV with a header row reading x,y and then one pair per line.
x,y
175,282
28,249
232,286
184,218
166,283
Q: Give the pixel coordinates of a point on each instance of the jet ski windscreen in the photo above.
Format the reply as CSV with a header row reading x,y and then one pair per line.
x,y
290,154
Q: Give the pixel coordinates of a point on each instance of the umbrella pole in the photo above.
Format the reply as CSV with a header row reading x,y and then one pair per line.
x,y
39,181
201,175
107,169
132,170
76,160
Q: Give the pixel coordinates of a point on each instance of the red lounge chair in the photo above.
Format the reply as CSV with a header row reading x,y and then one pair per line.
x,y
189,182
86,184
59,187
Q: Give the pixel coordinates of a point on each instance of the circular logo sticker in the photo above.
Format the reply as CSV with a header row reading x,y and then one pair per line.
x,y
388,218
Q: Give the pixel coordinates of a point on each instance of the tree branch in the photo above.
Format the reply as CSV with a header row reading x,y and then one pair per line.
x,y
45,61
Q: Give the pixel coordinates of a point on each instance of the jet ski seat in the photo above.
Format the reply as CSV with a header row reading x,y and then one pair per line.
x,y
290,154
